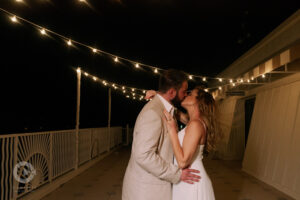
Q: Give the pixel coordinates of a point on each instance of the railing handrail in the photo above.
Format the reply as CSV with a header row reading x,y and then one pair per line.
x,y
51,132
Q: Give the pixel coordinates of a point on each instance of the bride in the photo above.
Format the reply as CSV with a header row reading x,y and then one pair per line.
x,y
188,145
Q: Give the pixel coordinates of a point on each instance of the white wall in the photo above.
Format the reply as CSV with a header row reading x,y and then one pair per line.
x,y
273,148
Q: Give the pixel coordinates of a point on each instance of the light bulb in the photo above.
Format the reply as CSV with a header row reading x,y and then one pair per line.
x,y
137,65
14,19
116,59
43,32
203,79
190,77
156,71
69,42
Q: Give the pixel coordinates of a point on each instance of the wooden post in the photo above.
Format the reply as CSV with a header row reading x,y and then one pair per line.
x,y
77,117
109,118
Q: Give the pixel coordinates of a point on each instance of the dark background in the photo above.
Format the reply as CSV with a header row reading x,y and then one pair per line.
x,y
38,78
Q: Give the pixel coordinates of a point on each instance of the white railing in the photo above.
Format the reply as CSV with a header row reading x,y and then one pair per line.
x,y
51,154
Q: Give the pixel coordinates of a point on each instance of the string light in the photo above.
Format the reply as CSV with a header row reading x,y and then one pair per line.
x,y
14,19
144,91
252,78
86,74
69,42
116,58
242,81
220,88
43,32
230,80
206,90
233,84
136,91
248,80
264,76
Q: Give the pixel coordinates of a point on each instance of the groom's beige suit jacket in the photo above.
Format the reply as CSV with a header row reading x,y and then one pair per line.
x,y
150,171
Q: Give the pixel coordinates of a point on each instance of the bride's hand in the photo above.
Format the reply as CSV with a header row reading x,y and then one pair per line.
x,y
150,94
171,123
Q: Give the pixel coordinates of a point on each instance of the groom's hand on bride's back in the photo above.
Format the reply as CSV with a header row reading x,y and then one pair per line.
x,y
190,175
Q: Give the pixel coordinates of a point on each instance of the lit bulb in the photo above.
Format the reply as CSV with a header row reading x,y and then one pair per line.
x,y
190,77
94,78
133,97
252,78
86,74
144,91
133,94
19,0
156,71
113,85
137,65
230,80
220,88
203,79
78,70
69,42
124,91
43,32
206,90
132,89
116,59
263,76
95,50
123,87
242,81
220,79
127,96
248,80
14,19
233,84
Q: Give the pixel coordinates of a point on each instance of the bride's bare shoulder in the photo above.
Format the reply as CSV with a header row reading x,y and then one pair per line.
x,y
195,126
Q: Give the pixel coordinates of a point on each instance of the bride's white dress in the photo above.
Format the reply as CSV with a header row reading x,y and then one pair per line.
x,y
201,190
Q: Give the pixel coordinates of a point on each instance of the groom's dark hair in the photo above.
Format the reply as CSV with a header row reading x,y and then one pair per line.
x,y
171,78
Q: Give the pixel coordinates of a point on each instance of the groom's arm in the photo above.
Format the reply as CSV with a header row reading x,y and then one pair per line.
x,y
148,133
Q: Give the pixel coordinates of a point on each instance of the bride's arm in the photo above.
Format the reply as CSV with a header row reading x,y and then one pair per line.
x,y
193,133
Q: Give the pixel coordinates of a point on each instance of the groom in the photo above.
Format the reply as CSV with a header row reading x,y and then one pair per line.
x,y
150,170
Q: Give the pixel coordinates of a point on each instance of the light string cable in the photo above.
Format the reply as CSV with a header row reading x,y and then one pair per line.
x,y
129,92
116,58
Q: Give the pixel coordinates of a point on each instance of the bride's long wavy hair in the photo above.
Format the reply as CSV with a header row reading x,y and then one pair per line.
x,y
208,111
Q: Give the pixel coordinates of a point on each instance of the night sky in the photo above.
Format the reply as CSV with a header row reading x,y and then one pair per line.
x,y
38,82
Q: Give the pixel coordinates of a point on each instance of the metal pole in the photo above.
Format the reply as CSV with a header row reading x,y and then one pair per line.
x,y
109,118
127,134
77,116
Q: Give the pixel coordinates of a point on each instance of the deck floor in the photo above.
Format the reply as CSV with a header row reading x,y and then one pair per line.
x,y
103,181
